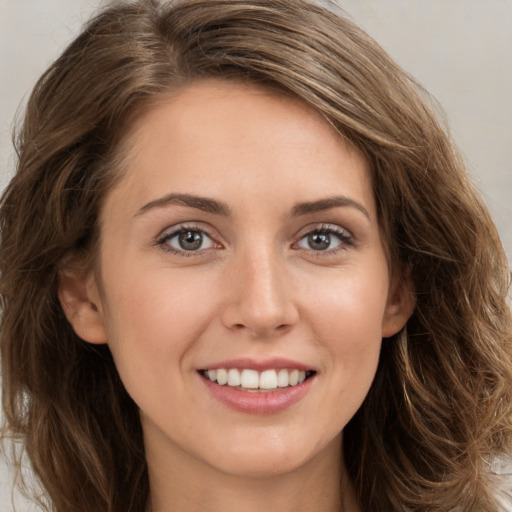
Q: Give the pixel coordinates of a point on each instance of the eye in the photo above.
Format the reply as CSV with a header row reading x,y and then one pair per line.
x,y
186,240
325,239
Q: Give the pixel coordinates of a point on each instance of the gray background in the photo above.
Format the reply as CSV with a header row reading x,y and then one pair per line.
x,y
460,50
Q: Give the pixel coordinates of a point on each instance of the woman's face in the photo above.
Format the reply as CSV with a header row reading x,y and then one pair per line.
x,y
242,243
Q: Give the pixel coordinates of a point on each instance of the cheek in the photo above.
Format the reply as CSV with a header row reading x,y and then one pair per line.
x,y
152,319
349,304
346,313
152,327
156,300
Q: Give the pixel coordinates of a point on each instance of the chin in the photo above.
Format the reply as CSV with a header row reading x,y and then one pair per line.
x,y
277,458
264,466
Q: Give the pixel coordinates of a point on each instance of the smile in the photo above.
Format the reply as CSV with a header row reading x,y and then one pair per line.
x,y
253,380
256,386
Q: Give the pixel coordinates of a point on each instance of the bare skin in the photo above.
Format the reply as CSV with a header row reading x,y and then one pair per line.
x,y
314,487
244,235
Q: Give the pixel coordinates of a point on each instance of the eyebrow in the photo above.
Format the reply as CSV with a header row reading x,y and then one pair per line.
x,y
200,203
220,208
326,204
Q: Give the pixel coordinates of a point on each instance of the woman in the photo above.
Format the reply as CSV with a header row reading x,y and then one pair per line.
x,y
250,274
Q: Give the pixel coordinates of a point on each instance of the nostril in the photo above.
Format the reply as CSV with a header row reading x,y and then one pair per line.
x,y
261,331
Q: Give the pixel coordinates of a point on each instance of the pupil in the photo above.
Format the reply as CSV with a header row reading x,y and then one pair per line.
x,y
319,241
190,240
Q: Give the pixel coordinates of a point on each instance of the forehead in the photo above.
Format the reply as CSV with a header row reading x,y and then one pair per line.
x,y
213,133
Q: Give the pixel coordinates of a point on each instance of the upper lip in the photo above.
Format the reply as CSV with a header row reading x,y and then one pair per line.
x,y
276,363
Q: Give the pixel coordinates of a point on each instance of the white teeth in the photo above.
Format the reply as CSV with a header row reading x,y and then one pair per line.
x,y
268,379
282,379
233,377
222,376
252,379
294,377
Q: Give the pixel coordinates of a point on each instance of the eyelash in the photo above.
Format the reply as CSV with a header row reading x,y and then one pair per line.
x,y
346,240
184,228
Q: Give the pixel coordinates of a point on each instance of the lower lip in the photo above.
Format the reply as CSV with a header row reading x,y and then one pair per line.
x,y
258,402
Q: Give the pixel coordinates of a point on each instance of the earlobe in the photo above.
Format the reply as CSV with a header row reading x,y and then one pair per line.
x,y
81,303
400,305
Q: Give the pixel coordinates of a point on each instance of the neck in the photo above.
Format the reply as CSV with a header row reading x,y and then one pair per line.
x,y
188,485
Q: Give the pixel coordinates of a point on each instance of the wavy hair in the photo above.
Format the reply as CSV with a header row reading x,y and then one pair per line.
x,y
439,411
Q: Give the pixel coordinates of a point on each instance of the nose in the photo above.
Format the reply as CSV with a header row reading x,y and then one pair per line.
x,y
260,299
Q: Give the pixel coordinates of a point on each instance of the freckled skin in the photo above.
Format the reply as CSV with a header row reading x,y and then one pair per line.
x,y
256,290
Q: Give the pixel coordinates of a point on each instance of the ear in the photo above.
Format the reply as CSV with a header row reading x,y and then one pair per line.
x,y
400,305
81,302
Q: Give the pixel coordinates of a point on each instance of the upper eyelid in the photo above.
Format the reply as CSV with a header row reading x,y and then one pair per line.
x,y
345,236
182,226
173,230
336,228
169,233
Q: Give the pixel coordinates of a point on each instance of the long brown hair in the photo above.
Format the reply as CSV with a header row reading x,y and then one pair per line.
x,y
439,411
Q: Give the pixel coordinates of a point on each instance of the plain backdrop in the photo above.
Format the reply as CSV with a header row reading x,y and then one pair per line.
x,y
460,50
